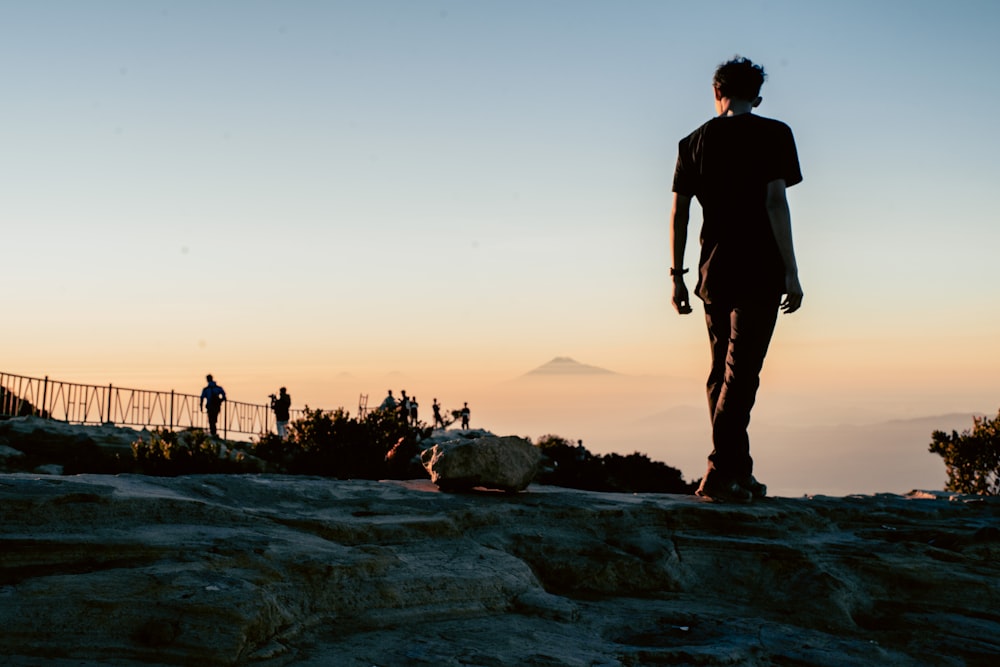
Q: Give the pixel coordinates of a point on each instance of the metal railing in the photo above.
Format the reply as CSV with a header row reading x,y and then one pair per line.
x,y
95,404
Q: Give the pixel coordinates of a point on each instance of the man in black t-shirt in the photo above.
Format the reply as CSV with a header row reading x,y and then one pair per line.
x,y
738,166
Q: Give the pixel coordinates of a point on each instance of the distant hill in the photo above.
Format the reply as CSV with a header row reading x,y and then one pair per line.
x,y
567,366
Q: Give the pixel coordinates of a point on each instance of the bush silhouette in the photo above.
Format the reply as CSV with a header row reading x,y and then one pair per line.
x,y
972,457
333,444
171,453
569,465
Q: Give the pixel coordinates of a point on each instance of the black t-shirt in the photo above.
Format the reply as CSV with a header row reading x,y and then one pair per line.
x,y
727,163
282,404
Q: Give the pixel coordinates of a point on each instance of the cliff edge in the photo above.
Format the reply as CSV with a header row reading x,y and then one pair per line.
x,y
280,570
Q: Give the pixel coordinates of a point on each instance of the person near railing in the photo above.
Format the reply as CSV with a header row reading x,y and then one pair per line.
x,y
211,400
281,404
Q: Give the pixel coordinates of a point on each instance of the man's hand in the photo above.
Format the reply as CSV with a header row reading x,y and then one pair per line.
x,y
793,294
681,302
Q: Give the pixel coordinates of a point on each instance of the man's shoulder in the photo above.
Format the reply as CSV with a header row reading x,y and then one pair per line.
x,y
772,123
697,132
747,117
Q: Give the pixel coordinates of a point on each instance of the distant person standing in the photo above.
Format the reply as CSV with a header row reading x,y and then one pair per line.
x,y
465,415
212,398
389,402
738,165
413,410
281,404
404,405
438,419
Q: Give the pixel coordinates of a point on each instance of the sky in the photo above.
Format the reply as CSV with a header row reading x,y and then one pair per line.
x,y
342,196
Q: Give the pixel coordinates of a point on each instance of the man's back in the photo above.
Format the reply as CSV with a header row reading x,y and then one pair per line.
x,y
727,163
213,395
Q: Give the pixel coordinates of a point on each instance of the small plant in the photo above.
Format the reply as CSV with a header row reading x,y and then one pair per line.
x,y
279,452
972,457
171,453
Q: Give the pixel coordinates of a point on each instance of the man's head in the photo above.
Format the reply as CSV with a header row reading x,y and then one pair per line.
x,y
282,391
208,378
739,79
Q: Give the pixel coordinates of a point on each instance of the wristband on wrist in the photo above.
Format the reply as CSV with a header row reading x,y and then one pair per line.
x,y
676,273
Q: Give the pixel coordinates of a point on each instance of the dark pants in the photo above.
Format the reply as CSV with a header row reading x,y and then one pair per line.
x,y
739,336
213,418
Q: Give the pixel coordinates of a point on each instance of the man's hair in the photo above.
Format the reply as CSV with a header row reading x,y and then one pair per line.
x,y
739,79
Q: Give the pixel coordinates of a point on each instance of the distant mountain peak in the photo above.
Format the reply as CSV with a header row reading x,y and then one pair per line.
x,y
568,366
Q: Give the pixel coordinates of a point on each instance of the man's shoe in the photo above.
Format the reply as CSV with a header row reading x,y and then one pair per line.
x,y
756,489
725,492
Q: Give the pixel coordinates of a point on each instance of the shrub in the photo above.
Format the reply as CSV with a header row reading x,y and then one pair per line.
x,y
333,444
171,453
277,451
573,466
972,457
637,473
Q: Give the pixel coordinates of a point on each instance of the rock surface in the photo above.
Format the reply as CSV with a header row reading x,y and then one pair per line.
x,y
506,463
30,443
277,570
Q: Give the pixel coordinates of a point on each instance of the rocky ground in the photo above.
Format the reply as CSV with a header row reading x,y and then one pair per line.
x,y
279,570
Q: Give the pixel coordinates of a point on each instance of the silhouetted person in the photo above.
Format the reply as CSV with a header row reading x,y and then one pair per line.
x,y
438,420
389,402
212,397
738,166
465,416
413,410
403,406
281,405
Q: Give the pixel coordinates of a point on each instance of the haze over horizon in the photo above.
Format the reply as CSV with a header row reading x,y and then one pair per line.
x,y
284,193
877,450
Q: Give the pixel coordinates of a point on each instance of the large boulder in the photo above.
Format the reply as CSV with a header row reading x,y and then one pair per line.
x,y
507,463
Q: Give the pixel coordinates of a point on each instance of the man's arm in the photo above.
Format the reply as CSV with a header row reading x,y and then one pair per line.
x,y
679,216
781,224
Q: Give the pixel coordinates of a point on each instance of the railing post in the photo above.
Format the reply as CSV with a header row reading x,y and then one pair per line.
x,y
45,394
225,420
109,419
171,409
